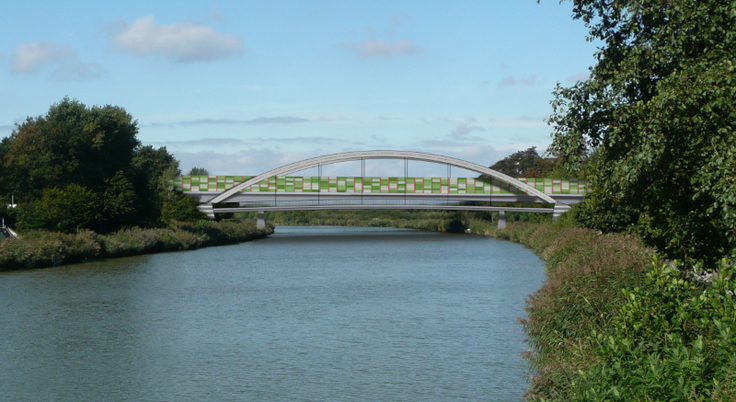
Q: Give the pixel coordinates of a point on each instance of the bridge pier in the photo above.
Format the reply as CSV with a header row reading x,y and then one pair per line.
x,y
261,223
560,209
502,219
208,210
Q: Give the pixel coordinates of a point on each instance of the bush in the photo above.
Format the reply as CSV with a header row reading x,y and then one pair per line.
x,y
674,339
64,210
180,207
42,249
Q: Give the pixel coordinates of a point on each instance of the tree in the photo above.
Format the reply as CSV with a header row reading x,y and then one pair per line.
x,y
197,171
182,208
118,201
659,109
77,157
64,210
153,171
526,163
72,143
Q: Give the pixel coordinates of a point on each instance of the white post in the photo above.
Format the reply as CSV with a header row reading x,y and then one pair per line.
x,y
261,223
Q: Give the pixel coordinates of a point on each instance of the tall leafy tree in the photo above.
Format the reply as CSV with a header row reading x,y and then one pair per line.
x,y
198,171
659,109
525,163
79,167
72,143
153,170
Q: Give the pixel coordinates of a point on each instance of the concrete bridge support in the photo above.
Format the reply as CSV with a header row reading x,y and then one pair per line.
x,y
560,209
502,219
207,209
261,223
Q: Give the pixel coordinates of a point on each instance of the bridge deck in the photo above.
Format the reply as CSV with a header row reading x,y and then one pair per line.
x,y
378,185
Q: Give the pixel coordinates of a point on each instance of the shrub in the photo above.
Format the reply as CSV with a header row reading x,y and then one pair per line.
x,y
674,339
40,249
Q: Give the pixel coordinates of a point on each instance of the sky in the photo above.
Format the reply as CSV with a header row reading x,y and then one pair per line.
x,y
241,87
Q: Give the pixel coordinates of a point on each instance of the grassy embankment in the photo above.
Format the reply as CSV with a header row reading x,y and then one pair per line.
x,y
37,249
611,321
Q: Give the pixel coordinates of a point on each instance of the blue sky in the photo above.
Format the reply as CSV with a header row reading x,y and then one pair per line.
x,y
240,87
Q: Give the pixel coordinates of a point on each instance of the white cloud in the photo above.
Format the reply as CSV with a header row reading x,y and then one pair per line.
x,y
462,130
27,57
183,42
377,48
533,118
233,122
511,81
78,72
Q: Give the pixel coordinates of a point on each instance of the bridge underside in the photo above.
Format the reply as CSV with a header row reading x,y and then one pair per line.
x,y
345,202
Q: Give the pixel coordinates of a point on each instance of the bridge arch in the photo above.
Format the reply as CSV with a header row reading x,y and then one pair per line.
x,y
354,156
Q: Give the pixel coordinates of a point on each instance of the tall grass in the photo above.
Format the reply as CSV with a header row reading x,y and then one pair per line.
x,y
37,249
613,322
586,272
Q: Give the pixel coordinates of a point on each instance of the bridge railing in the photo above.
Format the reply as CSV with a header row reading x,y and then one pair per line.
x,y
381,185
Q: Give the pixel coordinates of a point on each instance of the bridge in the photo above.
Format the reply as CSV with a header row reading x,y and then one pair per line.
x,y
275,190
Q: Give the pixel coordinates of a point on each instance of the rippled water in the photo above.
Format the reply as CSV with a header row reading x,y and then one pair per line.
x,y
310,314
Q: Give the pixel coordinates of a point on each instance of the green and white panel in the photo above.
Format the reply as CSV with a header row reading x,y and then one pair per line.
x,y
392,185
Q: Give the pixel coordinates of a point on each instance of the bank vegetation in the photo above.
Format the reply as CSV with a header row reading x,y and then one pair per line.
x,y
41,248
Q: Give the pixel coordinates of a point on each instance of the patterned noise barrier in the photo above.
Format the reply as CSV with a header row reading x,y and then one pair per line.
x,y
411,185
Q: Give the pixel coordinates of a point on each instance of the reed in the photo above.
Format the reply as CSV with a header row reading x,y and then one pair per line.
x,y
39,249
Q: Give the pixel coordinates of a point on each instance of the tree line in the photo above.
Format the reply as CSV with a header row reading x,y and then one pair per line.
x,y
80,167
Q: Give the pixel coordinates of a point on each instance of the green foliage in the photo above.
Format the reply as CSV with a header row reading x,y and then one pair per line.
x,y
70,144
603,327
659,110
118,201
40,248
153,169
62,210
526,163
198,171
180,207
83,167
585,274
674,339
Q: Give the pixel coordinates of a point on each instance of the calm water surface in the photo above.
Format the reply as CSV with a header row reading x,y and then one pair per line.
x,y
310,314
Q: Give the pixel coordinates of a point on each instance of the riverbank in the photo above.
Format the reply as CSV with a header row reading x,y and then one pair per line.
x,y
586,272
612,321
39,249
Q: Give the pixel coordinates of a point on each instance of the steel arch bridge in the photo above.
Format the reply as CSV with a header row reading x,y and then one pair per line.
x,y
275,191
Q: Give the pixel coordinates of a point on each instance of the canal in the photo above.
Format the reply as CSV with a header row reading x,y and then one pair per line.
x,y
309,314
